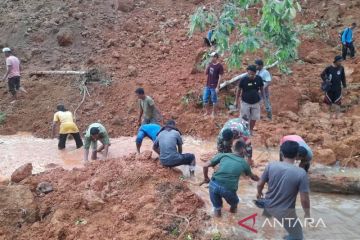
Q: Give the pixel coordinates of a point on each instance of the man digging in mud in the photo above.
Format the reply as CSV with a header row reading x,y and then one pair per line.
x,y
235,129
168,145
67,126
147,108
147,130
96,132
333,77
225,181
305,153
12,74
248,88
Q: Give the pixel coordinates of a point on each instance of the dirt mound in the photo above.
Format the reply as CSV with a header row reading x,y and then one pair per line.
x,y
145,44
128,198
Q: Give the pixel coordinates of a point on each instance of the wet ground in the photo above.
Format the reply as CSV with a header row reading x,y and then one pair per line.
x,y
336,216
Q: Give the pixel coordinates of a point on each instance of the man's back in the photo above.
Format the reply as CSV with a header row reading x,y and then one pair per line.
x,y
284,180
168,140
14,62
151,130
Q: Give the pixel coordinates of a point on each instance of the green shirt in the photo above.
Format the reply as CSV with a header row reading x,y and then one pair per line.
x,y
148,107
104,137
230,168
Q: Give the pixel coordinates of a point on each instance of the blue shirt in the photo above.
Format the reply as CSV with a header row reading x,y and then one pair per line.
x,y
209,34
309,152
148,130
347,36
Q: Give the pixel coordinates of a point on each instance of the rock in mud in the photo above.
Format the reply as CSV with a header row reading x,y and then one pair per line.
x,y
132,71
21,173
65,37
310,109
93,201
17,206
325,156
144,156
124,5
289,115
44,188
314,57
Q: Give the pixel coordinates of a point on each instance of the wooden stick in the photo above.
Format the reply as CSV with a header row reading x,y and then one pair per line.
x,y
238,77
66,72
185,218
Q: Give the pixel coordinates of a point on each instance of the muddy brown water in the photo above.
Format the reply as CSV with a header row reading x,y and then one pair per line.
x,y
334,216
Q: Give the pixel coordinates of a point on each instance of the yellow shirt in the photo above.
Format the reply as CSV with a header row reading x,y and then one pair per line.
x,y
67,124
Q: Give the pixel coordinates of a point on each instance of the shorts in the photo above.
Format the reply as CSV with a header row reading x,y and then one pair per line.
x,y
333,97
14,84
209,92
251,111
185,159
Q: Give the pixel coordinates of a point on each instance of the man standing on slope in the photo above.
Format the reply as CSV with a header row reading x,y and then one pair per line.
x,y
249,87
213,72
305,153
285,181
334,76
147,108
347,41
147,130
95,132
12,74
168,145
266,77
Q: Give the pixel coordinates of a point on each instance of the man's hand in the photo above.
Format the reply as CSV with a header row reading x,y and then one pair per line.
x,y
217,89
255,177
206,180
259,195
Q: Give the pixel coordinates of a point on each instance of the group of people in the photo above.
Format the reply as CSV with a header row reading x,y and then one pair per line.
x,y
252,88
284,178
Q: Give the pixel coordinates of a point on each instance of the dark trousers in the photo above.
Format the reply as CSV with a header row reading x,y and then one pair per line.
x,y
14,84
76,136
345,48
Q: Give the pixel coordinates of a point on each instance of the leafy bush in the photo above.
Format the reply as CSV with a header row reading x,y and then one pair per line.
x,y
275,32
2,117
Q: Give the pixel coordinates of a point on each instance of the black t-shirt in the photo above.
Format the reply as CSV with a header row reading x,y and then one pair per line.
x,y
336,75
250,89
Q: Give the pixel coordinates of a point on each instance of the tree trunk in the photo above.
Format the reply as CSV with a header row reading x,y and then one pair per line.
x,y
330,183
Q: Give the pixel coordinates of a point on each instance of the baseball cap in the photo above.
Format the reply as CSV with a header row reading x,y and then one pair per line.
x,y
338,58
6,50
214,54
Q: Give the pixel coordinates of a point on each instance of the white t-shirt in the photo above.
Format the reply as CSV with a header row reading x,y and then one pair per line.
x,y
264,74
14,62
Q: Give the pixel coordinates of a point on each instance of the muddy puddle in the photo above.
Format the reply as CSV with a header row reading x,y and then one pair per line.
x,y
334,216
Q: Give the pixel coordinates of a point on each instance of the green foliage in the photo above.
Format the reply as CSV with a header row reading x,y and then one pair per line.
x,y
216,236
175,231
275,32
2,118
188,237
